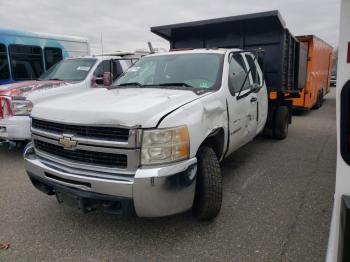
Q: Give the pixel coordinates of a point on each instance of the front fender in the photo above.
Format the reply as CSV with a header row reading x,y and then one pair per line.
x,y
202,117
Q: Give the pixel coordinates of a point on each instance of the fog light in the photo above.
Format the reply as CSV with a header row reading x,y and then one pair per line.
x,y
191,172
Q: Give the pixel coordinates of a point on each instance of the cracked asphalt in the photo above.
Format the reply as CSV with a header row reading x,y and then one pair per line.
x,y
277,205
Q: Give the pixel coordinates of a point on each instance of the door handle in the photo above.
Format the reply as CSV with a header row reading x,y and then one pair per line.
x,y
253,99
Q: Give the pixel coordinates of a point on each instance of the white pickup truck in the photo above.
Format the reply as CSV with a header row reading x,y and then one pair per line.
x,y
152,143
142,141
67,77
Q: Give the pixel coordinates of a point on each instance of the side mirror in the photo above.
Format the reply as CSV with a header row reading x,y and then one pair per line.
x,y
107,78
102,81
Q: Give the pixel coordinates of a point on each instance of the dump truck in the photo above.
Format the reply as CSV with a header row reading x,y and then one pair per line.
x,y
319,69
152,143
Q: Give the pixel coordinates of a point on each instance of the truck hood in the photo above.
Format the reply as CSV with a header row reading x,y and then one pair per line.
x,y
126,106
25,88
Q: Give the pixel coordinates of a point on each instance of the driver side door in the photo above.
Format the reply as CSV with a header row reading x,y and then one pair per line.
x,y
241,107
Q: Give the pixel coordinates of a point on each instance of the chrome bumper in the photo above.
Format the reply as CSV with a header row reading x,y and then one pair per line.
x,y
15,128
155,192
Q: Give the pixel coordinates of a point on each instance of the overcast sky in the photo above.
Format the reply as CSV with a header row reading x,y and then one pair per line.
x,y
125,24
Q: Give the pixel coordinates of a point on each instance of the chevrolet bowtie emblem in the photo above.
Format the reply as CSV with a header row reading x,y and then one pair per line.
x,y
68,142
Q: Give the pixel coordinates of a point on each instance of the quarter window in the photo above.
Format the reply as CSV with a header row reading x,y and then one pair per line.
x,y
26,62
52,56
237,74
253,70
4,65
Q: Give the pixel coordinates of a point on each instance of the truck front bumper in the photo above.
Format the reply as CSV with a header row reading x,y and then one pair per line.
x,y
15,128
152,192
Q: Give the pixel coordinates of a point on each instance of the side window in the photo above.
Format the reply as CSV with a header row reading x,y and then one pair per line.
x,y
103,67
237,74
4,64
26,62
253,70
117,69
52,56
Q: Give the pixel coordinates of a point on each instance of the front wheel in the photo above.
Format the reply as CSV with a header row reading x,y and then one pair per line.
x,y
208,199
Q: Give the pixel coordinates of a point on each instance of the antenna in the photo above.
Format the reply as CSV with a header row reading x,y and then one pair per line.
x,y
151,49
103,69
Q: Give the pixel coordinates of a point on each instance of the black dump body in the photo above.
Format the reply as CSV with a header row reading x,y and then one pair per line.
x,y
284,58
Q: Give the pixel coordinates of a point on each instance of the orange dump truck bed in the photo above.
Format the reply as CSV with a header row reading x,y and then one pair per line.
x,y
318,73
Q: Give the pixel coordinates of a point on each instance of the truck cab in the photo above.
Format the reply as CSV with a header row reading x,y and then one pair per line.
x,y
66,77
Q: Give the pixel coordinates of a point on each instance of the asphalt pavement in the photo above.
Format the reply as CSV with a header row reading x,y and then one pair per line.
x,y
277,205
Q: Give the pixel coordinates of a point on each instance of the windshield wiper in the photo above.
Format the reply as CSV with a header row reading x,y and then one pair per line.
x,y
174,84
57,79
131,84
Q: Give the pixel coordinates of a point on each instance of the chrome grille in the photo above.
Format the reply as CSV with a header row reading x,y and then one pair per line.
x,y
94,132
110,160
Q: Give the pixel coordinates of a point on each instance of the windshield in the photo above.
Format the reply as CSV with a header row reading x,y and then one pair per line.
x,y
69,70
199,71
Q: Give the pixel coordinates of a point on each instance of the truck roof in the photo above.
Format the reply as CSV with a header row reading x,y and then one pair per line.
x,y
100,58
197,51
306,37
15,32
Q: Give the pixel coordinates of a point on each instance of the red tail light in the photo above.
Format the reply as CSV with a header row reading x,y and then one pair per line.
x,y
5,107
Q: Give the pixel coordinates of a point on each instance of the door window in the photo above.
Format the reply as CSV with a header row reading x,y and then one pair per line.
x,y
26,62
105,66
237,74
52,56
4,65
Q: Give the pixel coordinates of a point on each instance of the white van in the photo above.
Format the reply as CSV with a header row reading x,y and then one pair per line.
x,y
339,239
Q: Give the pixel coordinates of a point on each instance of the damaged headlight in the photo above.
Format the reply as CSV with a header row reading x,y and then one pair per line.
x,y
161,146
21,107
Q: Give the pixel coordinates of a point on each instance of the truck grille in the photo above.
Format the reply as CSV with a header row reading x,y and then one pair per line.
x,y
85,157
95,132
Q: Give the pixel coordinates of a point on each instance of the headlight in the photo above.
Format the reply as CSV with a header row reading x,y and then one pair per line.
x,y
161,146
21,107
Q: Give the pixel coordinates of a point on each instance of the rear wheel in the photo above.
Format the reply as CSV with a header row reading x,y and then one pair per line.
x,y
208,199
318,102
281,123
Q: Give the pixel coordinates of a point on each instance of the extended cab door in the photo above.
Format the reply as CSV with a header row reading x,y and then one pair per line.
x,y
242,108
261,94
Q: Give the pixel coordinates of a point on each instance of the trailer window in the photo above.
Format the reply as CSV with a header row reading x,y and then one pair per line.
x,y
237,74
4,65
253,70
52,56
345,123
26,62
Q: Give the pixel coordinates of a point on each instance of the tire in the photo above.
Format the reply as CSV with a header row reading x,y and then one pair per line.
x,y
208,198
318,102
281,123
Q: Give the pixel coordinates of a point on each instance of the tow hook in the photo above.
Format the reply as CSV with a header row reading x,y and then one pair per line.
x,y
10,144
